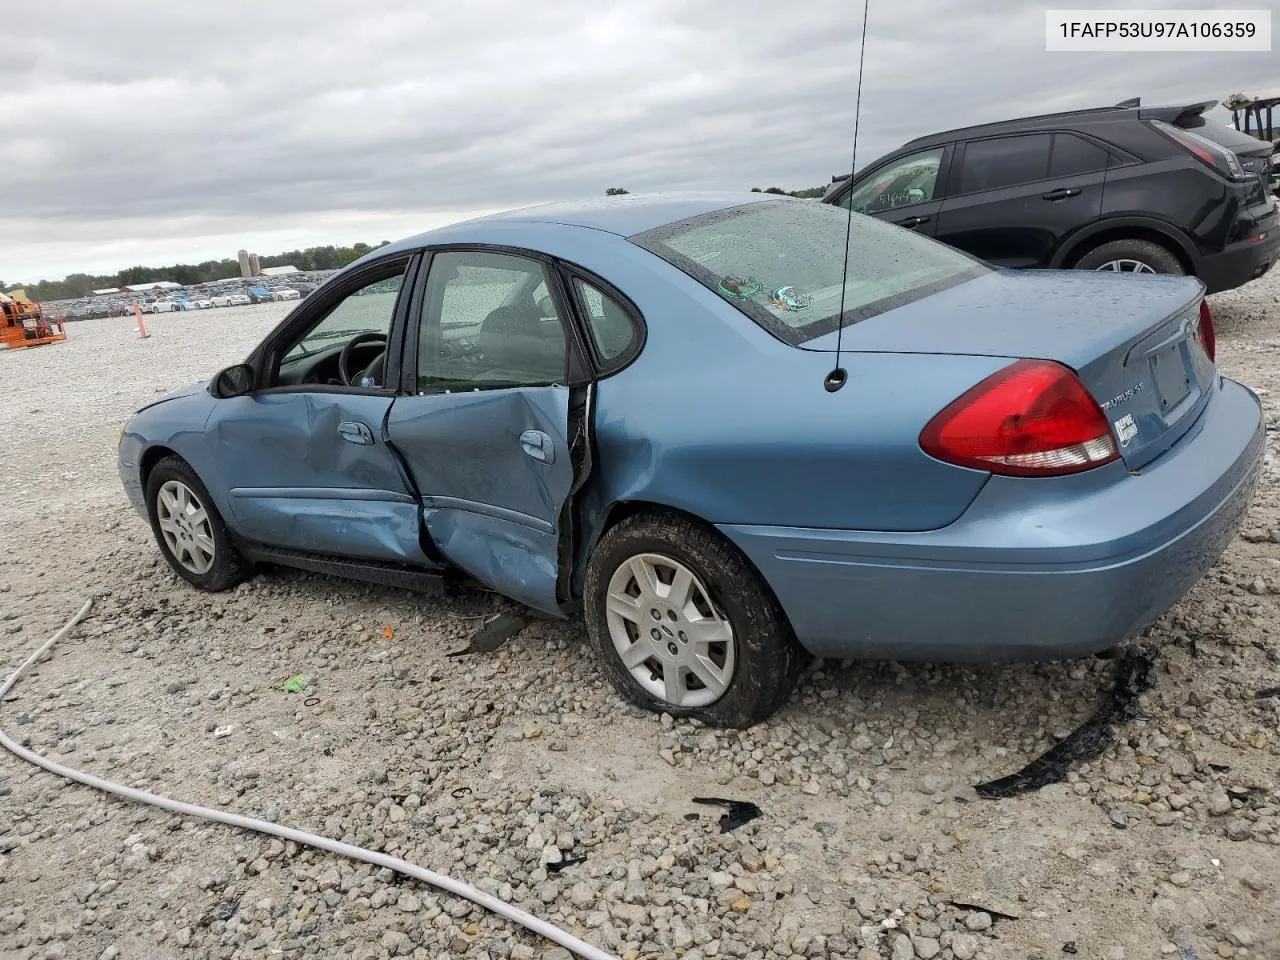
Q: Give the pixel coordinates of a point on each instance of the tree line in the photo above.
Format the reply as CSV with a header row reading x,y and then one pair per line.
x,y
82,284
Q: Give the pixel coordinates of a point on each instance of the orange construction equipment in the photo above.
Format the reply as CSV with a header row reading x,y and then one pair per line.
x,y
23,323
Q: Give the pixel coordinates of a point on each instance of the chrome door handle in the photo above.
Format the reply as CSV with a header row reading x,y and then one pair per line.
x,y
538,445
357,433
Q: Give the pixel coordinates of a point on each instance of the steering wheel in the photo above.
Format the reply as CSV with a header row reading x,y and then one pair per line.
x,y
344,358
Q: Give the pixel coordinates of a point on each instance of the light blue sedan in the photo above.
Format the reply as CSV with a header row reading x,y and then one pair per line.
x,y
645,411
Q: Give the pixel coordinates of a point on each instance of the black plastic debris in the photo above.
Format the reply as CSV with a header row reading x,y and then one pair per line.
x,y
226,910
494,633
693,816
1220,767
460,792
1069,947
566,862
738,813
995,915
1267,692
1087,741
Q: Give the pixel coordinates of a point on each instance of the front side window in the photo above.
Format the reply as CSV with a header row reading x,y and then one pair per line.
x,y
487,322
1004,162
912,179
782,263
369,309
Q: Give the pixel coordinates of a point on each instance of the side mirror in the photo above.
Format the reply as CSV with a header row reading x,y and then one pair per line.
x,y
232,382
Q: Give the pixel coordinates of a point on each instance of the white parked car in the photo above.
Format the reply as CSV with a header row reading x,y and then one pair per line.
x,y
160,306
200,303
285,294
221,300
238,300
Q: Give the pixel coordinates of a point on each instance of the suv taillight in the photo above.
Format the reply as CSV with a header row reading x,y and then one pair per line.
x,y
1034,418
1205,334
1206,151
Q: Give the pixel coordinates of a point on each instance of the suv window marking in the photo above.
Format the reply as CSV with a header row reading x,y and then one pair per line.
x,y
904,182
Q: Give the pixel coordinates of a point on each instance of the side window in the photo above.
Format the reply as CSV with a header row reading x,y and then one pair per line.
x,y
611,328
365,312
1004,162
1074,155
487,322
912,179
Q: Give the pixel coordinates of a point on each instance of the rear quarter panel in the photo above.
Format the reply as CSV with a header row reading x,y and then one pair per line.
x,y
718,418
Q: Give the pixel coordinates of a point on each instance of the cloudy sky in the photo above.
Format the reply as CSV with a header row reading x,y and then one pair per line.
x,y
149,131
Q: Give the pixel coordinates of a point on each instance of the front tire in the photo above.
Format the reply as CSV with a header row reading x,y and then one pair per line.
x,y
681,623
189,530
1130,256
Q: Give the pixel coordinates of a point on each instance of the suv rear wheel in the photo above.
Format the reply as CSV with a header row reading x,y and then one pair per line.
x,y
1130,256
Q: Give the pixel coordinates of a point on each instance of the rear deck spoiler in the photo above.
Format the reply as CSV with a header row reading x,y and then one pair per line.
x,y
1176,115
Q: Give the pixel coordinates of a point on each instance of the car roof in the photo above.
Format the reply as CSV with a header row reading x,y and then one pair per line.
x,y
625,215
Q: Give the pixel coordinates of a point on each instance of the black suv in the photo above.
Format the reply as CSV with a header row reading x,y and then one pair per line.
x,y
1125,188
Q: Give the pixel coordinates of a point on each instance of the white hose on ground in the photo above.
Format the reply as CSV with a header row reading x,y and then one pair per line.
x,y
456,887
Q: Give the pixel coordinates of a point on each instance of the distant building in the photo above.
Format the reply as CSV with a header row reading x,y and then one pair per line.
x,y
277,271
254,269
150,287
243,257
105,292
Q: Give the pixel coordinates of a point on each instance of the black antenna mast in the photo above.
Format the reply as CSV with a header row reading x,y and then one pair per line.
x,y
837,377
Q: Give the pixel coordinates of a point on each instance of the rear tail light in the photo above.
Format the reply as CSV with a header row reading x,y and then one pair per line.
x,y
1208,339
1034,418
1206,151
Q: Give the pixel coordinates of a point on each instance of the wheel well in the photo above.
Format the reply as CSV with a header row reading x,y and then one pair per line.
x,y
629,508
150,458
1131,233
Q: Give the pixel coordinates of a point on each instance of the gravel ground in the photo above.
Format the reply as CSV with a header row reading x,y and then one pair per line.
x,y
496,768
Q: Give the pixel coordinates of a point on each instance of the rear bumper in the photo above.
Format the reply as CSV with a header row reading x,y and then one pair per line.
x,y
1035,569
1241,262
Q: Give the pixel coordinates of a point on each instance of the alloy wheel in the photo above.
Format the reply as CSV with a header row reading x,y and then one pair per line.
x,y
184,523
675,642
1125,265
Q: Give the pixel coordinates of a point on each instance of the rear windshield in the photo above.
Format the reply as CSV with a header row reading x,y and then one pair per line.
x,y
781,262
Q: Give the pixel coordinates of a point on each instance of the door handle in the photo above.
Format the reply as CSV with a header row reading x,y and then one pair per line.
x,y
912,221
538,445
1061,193
354,432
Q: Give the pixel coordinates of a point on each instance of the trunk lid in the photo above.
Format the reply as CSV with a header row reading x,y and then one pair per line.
x,y
1132,340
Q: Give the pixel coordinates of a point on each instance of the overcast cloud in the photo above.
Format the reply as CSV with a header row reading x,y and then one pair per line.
x,y
148,131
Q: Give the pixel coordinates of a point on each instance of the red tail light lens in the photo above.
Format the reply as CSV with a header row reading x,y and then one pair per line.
x,y
1208,339
1206,151
1034,418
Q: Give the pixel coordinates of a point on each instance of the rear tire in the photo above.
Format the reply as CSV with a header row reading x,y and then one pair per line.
x,y
189,530
1131,256
703,637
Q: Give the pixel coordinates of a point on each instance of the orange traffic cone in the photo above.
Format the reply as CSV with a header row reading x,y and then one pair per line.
x,y
140,327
